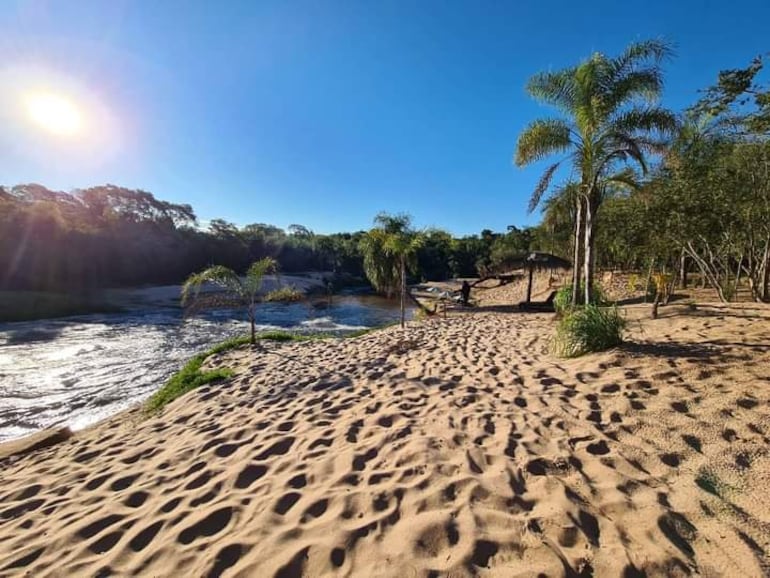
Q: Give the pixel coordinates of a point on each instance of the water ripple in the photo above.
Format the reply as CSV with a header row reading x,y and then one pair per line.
x,y
79,370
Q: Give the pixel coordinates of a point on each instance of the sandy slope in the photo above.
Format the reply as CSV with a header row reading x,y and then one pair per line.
x,y
458,447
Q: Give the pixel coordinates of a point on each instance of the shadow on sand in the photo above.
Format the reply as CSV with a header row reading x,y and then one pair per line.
x,y
708,351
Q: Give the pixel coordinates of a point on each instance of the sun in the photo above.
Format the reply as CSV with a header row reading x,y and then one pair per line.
x,y
54,113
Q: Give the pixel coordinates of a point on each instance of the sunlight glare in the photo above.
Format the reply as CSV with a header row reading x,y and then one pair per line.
x,y
54,113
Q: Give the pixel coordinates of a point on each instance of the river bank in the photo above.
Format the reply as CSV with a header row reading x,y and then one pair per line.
x,y
79,370
34,305
457,445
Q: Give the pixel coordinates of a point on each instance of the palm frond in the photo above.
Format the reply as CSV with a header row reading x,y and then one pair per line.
x,y
644,85
542,138
647,120
542,186
623,146
639,53
555,88
256,273
263,267
626,178
216,275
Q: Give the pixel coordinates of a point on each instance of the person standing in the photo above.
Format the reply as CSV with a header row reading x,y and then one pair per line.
x,y
465,291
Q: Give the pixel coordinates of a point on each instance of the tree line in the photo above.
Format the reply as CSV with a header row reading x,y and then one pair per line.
x,y
110,236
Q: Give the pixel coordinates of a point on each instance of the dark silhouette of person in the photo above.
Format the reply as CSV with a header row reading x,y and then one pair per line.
x,y
465,292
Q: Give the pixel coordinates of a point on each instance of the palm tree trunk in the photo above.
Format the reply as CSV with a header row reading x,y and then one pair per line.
x,y
529,284
588,256
403,288
577,252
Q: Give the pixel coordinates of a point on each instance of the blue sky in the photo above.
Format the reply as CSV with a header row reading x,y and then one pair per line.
x,y
324,113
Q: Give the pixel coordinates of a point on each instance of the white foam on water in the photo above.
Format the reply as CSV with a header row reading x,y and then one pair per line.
x,y
328,324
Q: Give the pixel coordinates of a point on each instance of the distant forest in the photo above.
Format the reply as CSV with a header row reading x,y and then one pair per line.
x,y
109,236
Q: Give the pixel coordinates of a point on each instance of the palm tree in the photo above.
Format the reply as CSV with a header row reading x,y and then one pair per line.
x,y
241,292
390,249
610,118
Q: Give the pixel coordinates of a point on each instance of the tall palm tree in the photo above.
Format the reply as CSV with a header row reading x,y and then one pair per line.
x,y
241,292
390,250
610,119
403,246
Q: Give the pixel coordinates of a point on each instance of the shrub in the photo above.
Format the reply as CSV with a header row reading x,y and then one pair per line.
x,y
587,329
562,302
285,295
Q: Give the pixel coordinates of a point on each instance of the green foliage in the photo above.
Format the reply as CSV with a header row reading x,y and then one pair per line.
x,y
112,237
390,251
606,106
434,255
589,329
562,302
188,378
238,291
510,246
284,295
283,336
610,120
737,103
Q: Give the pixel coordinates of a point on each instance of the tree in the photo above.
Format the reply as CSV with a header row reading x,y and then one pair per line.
x,y
390,250
433,255
610,119
510,246
737,105
238,291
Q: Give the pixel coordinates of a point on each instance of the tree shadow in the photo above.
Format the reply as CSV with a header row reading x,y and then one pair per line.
x,y
710,351
515,308
642,300
676,350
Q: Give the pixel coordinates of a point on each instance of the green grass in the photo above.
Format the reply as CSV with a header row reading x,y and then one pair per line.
x,y
562,302
285,295
191,376
589,329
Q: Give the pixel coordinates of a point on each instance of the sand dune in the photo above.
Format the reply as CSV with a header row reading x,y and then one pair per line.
x,y
457,447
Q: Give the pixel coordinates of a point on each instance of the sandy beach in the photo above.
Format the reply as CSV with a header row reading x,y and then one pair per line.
x,y
456,447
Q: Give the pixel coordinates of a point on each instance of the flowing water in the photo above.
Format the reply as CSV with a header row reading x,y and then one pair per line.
x,y
79,370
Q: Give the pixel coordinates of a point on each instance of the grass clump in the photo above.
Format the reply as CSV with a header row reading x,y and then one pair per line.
x,y
191,376
589,329
186,379
562,302
288,294
282,336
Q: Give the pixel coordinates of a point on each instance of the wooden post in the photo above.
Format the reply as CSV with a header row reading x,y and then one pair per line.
x,y
529,285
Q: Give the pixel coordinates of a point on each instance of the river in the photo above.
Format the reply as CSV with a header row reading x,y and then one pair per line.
x,y
79,370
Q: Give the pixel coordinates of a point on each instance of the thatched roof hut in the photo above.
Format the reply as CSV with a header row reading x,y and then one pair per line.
x,y
536,260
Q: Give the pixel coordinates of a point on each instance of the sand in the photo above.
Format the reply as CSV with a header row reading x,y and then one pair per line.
x,y
456,447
